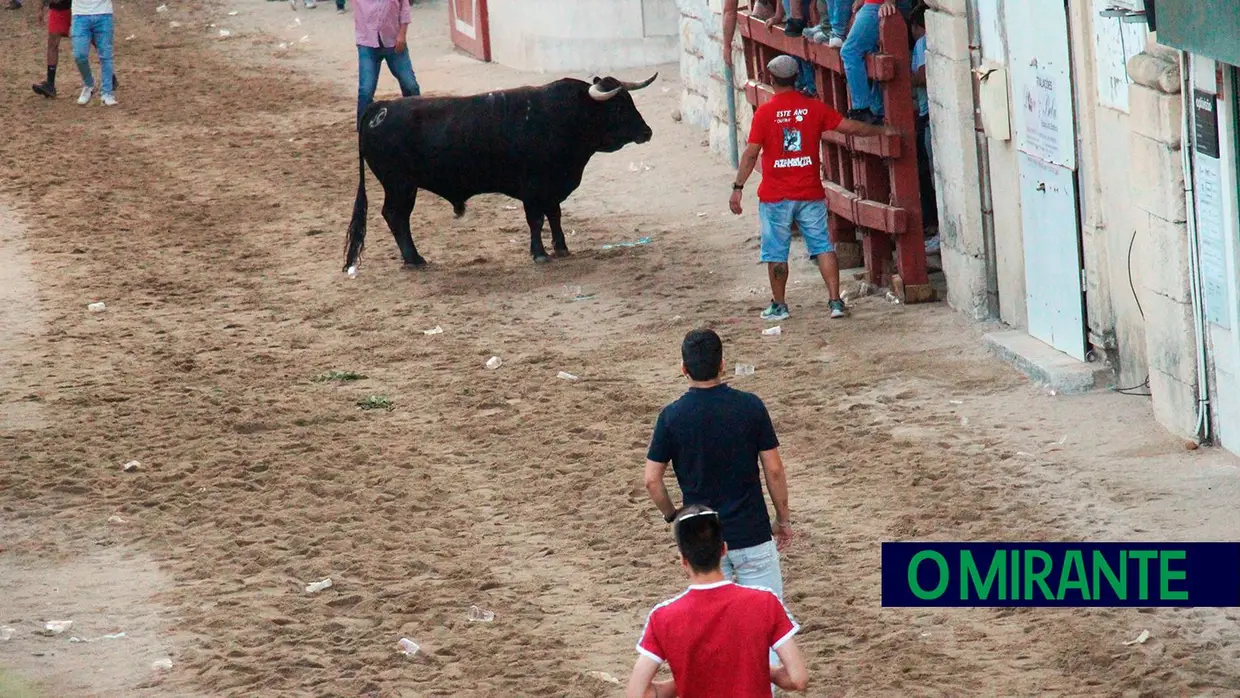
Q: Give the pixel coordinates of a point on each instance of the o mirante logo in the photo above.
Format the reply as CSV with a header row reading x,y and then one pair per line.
x,y
1061,574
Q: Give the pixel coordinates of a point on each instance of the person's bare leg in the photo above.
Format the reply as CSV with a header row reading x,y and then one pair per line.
x,y
829,267
778,274
53,49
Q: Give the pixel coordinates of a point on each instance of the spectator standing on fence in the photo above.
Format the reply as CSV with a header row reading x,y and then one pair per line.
x,y
786,133
866,97
93,25
715,637
793,14
381,31
834,26
925,154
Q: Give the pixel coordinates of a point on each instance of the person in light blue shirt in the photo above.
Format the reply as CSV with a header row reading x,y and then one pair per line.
x,y
925,154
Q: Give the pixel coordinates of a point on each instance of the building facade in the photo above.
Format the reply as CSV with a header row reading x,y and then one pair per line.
x,y
1091,199
564,36
1094,207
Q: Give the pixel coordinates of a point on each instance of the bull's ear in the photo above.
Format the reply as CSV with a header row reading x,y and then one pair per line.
x,y
596,80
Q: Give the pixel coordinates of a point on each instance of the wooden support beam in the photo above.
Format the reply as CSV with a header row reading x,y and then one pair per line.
x,y
864,212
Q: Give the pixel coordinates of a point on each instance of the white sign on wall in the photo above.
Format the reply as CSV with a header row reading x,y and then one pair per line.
x,y
1115,43
1208,185
1043,133
1040,64
990,21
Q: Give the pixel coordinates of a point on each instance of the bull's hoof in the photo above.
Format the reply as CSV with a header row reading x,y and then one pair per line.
x,y
563,253
541,259
418,263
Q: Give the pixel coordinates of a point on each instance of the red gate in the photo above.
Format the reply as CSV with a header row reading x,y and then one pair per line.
x,y
470,31
872,186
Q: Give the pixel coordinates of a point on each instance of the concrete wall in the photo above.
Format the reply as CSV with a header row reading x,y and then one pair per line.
x,y
704,101
1109,221
1131,188
1162,277
565,36
949,76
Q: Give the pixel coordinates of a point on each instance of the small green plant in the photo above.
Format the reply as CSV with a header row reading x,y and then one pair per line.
x,y
375,402
338,376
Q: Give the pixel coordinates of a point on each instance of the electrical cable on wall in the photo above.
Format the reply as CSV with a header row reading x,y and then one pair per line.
x,y
1133,288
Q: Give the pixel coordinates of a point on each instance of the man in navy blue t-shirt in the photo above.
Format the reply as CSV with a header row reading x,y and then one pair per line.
x,y
714,437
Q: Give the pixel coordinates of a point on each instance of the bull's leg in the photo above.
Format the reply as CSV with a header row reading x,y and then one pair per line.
x,y
534,216
558,243
398,205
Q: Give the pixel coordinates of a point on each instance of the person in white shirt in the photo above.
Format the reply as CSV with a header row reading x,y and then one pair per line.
x,y
93,25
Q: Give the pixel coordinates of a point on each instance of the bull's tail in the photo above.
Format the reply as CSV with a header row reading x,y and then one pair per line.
x,y
356,238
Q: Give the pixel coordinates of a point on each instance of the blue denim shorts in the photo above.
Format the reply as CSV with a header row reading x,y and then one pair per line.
x,y
777,218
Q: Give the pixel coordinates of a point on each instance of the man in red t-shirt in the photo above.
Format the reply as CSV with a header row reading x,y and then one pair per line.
x,y
717,635
787,132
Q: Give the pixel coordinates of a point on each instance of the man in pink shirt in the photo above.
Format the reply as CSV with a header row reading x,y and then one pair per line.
x,y
380,27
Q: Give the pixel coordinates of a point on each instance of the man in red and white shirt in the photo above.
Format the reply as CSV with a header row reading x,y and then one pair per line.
x,y
716,636
787,133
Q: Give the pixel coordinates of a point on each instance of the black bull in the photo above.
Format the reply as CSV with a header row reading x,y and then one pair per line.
x,y
529,143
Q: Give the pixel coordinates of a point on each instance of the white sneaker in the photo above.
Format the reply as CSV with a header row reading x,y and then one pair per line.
x,y
311,4
835,42
87,93
108,100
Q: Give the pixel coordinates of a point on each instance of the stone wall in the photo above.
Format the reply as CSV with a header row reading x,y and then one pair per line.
x,y
704,102
1157,179
956,178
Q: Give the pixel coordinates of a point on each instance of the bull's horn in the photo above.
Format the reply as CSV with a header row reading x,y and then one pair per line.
x,y
635,86
603,95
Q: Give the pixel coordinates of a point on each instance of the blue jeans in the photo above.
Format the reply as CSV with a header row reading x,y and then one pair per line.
x,y
368,62
838,14
804,9
756,567
805,71
861,40
777,218
97,30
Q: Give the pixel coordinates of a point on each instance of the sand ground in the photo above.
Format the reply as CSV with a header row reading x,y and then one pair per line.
x,y
208,213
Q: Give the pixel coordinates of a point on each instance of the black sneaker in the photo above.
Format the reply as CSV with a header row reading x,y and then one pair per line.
x,y
45,88
794,27
865,116
13,5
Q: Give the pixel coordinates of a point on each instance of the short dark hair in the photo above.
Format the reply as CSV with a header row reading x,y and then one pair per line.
x,y
917,18
699,535
702,354
784,82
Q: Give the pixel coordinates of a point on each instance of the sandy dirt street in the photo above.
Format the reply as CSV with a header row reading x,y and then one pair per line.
x,y
208,213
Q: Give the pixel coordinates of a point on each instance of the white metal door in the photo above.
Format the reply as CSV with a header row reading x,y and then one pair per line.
x,y
1049,218
1045,132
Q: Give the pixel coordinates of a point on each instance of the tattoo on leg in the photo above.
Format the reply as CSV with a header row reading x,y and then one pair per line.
x,y
780,270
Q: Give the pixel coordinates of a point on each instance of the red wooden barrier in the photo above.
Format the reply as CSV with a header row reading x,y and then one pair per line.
x,y
467,21
873,192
